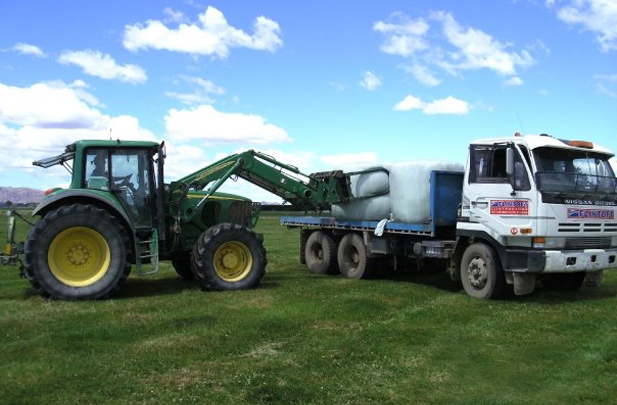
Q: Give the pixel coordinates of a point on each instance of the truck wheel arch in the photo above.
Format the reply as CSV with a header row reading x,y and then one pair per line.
x,y
465,238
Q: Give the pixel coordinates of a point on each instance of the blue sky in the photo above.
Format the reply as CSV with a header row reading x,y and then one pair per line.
x,y
318,84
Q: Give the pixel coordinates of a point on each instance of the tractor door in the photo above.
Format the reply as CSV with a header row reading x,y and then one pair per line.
x,y
131,183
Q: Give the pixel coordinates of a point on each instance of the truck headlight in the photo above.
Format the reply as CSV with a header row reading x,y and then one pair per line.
x,y
614,241
549,243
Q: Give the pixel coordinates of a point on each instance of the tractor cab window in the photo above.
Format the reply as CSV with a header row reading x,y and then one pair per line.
x,y
130,177
96,169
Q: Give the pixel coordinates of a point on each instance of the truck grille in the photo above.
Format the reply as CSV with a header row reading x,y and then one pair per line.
x,y
587,227
588,243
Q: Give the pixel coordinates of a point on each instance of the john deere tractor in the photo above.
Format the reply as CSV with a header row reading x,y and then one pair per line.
x,y
118,212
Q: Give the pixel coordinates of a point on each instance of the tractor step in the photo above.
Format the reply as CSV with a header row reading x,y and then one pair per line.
x,y
147,257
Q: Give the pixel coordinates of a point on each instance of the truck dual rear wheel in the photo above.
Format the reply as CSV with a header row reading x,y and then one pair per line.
x,y
320,253
228,257
77,252
353,260
481,272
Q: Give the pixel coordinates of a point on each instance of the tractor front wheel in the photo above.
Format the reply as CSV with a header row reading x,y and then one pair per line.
x,y
228,257
77,252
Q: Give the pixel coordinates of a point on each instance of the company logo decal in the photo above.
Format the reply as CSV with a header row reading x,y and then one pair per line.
x,y
509,207
589,213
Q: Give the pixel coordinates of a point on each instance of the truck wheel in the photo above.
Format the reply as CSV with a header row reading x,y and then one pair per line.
x,y
352,257
228,257
481,272
182,265
564,281
77,252
320,253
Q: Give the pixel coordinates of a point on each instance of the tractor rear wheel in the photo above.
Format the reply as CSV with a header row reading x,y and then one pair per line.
x,y
77,252
228,257
182,265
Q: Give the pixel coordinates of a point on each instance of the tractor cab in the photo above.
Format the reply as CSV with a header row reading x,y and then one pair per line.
x,y
125,174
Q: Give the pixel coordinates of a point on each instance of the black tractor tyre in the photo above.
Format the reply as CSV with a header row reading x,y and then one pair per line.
x,y
481,273
352,257
564,281
182,265
228,257
320,253
77,252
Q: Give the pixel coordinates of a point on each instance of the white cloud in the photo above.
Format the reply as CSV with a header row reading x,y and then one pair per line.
x,y
422,74
403,38
462,48
207,124
409,103
212,36
448,105
28,49
370,81
104,66
513,81
200,95
477,49
174,16
39,120
597,16
607,84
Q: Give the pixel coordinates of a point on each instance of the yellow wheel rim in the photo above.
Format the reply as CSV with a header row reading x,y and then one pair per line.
x,y
79,256
233,261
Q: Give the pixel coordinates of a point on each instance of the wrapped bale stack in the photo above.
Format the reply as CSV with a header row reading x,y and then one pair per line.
x,y
408,199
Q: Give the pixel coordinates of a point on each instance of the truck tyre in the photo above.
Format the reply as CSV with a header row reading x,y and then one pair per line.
x,y
77,252
481,272
320,253
564,281
182,265
228,257
353,260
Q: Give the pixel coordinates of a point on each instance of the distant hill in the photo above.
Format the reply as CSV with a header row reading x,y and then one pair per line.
x,y
20,195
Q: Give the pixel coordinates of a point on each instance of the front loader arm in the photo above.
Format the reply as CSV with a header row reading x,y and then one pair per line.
x,y
286,181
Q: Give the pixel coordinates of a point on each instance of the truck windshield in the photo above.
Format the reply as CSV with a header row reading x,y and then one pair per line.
x,y
574,172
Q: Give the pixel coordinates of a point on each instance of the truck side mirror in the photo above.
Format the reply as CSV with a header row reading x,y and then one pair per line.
x,y
510,168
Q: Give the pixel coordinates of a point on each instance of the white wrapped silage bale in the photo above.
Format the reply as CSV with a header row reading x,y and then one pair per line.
x,y
365,185
410,188
368,209
369,184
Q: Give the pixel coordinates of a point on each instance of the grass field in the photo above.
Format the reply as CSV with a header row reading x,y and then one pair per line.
x,y
304,339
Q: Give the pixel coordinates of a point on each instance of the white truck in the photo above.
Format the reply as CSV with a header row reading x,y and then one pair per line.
x,y
526,209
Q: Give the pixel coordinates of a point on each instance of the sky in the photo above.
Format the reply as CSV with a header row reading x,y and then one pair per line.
x,y
319,84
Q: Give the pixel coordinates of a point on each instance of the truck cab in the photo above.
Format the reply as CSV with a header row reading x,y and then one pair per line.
x,y
546,206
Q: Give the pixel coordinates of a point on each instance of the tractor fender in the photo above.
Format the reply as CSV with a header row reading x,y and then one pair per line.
x,y
84,197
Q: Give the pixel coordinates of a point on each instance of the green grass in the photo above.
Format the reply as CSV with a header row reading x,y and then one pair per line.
x,y
302,339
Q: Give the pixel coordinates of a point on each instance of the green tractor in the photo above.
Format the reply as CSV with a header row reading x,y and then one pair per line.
x,y
118,212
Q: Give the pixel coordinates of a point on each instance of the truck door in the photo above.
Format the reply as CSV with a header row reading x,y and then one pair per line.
x,y
501,211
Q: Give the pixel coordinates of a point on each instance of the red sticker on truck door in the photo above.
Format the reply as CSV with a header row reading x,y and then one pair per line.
x,y
509,207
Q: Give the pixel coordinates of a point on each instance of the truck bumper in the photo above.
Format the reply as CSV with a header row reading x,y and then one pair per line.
x,y
560,261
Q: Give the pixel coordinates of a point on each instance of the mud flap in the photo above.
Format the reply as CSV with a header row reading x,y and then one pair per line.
x,y
594,279
524,283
